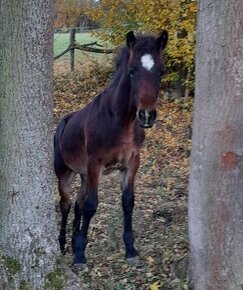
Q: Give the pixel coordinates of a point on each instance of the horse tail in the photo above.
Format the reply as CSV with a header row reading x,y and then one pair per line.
x,y
59,164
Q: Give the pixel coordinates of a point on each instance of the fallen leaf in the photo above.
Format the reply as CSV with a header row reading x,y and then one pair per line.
x,y
155,286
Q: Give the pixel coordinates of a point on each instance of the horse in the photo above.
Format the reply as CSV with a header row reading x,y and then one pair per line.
x,y
109,132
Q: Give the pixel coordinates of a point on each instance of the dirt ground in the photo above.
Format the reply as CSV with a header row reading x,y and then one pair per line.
x,y
160,214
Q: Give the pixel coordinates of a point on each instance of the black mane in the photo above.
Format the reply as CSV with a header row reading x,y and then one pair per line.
x,y
121,62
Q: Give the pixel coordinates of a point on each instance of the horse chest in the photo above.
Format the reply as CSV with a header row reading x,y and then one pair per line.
x,y
119,155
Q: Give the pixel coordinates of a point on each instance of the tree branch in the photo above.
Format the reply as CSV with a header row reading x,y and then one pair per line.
x,y
85,47
92,49
62,53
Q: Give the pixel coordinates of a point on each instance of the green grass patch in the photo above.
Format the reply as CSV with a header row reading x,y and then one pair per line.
x,y
55,280
62,40
13,265
24,285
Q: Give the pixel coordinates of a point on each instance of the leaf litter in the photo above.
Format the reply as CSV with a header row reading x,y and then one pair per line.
x,y
160,213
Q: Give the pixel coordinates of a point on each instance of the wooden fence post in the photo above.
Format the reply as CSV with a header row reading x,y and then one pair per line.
x,y
72,50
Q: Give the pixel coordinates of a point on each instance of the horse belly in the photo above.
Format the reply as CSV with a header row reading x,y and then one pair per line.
x,y
77,162
74,153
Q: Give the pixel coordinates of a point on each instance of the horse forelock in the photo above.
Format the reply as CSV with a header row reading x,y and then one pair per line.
x,y
145,44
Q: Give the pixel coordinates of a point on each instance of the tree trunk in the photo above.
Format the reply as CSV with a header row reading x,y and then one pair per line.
x,y
27,214
216,180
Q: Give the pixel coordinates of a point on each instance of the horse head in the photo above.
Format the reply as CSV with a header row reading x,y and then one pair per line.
x,y
145,69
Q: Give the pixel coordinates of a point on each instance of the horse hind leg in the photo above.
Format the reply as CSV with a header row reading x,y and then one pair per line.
x,y
65,187
86,205
79,206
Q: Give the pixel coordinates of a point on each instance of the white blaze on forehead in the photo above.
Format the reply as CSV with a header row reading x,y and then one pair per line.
x,y
147,61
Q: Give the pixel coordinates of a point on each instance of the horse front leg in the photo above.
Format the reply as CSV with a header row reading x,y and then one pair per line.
x,y
127,185
87,211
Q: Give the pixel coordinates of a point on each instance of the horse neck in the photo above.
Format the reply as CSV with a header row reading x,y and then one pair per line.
x,y
123,103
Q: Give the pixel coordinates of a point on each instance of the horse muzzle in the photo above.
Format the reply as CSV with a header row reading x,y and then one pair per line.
x,y
146,118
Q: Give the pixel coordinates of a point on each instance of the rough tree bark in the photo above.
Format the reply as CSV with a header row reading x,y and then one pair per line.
x,y
216,180
27,222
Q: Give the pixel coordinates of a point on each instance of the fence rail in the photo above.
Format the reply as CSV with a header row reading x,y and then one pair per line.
x,y
79,29
85,47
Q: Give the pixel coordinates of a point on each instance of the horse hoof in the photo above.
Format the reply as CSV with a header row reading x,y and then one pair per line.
x,y
133,261
80,267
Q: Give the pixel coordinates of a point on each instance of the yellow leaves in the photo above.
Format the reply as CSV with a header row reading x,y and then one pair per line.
x,y
177,16
154,286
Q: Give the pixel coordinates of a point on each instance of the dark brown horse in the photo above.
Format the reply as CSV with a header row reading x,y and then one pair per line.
x,y
109,131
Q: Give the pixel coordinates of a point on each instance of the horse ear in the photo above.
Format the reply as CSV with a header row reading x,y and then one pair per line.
x,y
131,39
162,39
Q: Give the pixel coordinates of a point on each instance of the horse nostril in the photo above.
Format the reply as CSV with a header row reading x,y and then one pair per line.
x,y
146,118
153,114
141,114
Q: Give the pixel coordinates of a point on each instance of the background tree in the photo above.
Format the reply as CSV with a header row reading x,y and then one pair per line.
x,y
27,214
116,17
69,14
216,180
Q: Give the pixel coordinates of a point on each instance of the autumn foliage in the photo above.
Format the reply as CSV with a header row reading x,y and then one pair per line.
x,y
116,17
67,13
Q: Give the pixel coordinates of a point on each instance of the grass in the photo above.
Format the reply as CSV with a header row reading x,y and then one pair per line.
x,y
62,40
